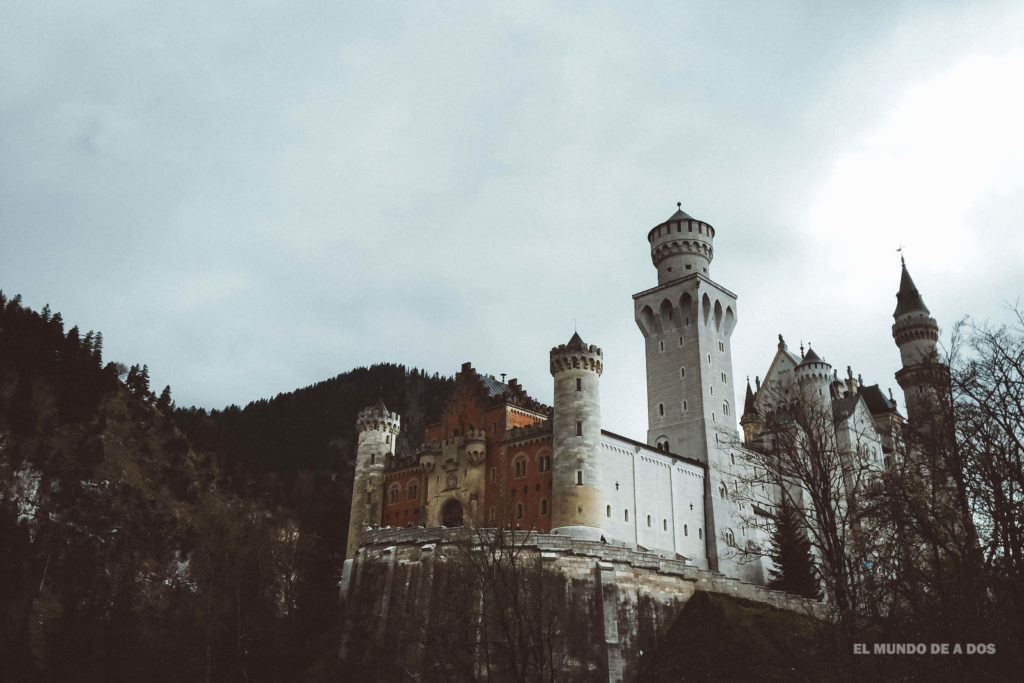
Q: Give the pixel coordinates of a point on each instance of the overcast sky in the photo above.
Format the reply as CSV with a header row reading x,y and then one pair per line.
x,y
251,197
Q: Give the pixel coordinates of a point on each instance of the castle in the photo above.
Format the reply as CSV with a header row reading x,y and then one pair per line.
x,y
498,458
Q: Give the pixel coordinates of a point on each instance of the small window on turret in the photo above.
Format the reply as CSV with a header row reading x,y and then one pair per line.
x,y
608,511
661,409
373,457
682,373
579,384
661,346
579,477
579,428
627,514
648,520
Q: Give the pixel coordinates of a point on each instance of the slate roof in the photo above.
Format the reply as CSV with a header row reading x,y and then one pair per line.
x,y
576,343
748,402
494,387
680,215
811,357
876,401
843,408
908,298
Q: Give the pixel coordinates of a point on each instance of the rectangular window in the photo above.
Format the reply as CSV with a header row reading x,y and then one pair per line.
x,y
680,341
724,379
494,474
721,346
661,346
579,428
579,477
627,514
579,384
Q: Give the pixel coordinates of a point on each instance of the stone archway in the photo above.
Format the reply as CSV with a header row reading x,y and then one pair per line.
x,y
451,513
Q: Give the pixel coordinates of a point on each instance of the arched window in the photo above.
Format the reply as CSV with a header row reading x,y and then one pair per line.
x,y
729,538
648,521
725,407
413,491
627,515
451,481
686,530
519,466
393,492
543,506
661,409
519,510
608,511
662,444
722,491
544,463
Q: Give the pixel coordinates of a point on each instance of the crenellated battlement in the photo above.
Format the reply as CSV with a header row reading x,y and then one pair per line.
x,y
379,420
576,355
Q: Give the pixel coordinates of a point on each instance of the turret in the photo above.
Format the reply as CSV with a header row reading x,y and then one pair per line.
x,y
814,377
681,246
378,428
576,440
750,420
917,336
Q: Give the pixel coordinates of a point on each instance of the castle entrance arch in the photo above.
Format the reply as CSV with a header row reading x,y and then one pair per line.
x,y
451,513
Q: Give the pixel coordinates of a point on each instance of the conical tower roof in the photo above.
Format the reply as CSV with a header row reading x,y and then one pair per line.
x,y
908,299
748,402
576,343
811,357
380,407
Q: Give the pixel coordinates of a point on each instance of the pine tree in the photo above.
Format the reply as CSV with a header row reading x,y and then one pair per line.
x,y
790,551
164,403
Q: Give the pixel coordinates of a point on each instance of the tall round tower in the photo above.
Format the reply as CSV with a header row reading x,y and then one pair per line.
x,y
578,503
378,428
681,246
917,336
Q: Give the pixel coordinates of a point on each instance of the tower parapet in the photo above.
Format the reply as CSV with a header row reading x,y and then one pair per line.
x,y
578,508
681,246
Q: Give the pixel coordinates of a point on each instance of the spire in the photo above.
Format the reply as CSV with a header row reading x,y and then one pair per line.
x,y
748,402
380,407
908,299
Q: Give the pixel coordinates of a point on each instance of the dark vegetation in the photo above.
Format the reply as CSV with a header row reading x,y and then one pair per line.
x,y
141,542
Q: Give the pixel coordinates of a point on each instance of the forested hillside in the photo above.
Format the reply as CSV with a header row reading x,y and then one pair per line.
x,y
142,543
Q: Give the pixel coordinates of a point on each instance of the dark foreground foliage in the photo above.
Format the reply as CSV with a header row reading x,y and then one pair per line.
x,y
126,553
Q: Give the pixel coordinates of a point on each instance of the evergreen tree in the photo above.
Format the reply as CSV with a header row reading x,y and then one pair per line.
x,y
164,403
790,551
